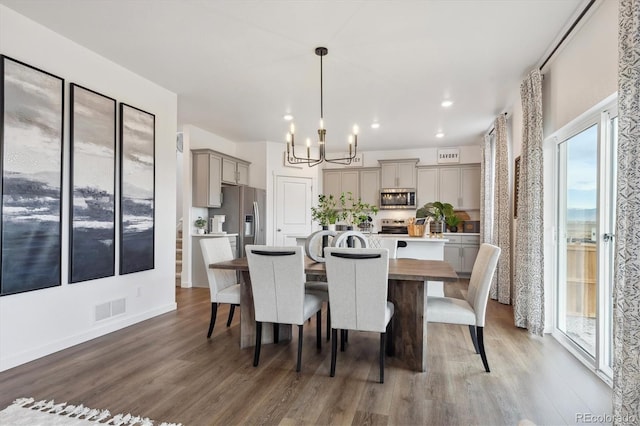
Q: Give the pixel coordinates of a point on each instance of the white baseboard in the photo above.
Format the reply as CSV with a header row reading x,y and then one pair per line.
x,y
115,325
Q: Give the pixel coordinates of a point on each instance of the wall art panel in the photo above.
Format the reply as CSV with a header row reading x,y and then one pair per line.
x,y
93,168
32,108
137,189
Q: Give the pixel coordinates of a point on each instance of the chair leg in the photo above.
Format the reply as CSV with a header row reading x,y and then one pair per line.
x,y
481,346
299,365
328,320
276,332
256,353
474,339
231,311
382,345
342,333
319,330
334,350
391,350
212,322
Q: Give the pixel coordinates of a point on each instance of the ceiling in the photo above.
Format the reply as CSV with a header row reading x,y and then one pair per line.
x,y
239,66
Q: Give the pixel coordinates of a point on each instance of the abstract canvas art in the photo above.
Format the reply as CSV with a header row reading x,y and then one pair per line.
x,y
93,181
31,165
137,189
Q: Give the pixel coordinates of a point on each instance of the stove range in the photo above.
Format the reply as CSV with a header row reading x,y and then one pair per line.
x,y
393,226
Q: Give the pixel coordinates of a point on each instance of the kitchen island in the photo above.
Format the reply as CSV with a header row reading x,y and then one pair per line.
x,y
418,248
410,248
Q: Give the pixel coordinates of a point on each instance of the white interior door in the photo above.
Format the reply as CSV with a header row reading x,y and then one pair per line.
x,y
293,209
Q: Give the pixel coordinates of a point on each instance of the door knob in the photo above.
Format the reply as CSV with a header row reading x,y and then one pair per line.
x,y
279,230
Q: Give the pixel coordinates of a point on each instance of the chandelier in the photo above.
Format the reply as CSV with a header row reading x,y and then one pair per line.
x,y
292,158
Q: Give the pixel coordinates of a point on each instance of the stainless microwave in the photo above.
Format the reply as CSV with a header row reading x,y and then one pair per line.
x,y
396,198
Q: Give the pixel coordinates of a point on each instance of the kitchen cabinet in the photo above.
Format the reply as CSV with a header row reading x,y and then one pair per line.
x,y
461,251
206,182
337,181
370,185
398,173
426,185
235,171
460,186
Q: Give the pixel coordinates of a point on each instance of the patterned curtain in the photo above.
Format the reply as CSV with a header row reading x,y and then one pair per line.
x,y
626,307
486,191
501,286
529,253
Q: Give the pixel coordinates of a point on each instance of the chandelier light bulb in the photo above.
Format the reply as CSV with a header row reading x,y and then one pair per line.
x,y
356,129
292,128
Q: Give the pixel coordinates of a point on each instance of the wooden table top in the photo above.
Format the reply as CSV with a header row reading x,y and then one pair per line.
x,y
399,269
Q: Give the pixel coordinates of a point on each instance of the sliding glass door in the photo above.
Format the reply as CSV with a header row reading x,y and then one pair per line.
x,y
585,223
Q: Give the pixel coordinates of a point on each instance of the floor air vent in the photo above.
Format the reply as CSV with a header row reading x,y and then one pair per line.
x,y
110,309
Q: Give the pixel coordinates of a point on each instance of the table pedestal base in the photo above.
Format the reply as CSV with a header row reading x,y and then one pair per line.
x,y
409,322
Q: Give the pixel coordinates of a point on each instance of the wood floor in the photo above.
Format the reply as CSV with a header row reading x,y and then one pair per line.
x,y
166,369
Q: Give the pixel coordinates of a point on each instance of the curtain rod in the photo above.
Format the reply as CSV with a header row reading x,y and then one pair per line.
x,y
564,37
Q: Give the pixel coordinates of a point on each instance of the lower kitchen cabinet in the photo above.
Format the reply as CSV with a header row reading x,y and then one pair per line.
x,y
461,251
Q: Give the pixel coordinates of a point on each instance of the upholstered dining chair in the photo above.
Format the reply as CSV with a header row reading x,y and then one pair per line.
x,y
279,296
358,295
391,244
223,285
470,311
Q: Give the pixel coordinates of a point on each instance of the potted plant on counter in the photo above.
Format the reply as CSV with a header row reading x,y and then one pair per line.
x,y
452,222
326,212
438,212
200,224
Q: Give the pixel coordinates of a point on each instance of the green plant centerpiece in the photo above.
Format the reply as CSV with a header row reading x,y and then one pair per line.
x,y
357,213
326,212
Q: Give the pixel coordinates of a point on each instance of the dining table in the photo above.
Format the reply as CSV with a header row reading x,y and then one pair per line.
x,y
408,279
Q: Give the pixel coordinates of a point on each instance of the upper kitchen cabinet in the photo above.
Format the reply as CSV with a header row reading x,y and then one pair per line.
x,y
398,173
337,181
210,170
235,171
370,186
206,185
427,185
460,186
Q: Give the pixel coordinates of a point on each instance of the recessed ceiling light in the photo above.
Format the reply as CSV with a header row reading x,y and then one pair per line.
x,y
440,135
446,103
375,125
288,117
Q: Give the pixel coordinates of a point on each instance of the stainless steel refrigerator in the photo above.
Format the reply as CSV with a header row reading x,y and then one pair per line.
x,y
244,209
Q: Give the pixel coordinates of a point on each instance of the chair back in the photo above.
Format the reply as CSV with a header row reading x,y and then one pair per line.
x,y
217,250
277,281
391,244
357,281
481,277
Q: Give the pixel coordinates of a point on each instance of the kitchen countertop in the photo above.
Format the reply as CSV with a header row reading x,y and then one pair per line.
x,y
214,235
406,237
